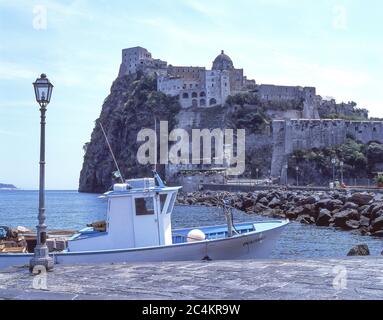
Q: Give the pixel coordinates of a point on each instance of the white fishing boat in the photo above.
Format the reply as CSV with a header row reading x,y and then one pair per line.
x,y
139,229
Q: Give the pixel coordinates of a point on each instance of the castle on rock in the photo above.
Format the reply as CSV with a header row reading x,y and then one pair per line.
x,y
198,87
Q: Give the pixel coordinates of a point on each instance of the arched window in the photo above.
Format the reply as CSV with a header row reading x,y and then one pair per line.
x,y
185,95
212,101
202,102
194,95
202,94
195,103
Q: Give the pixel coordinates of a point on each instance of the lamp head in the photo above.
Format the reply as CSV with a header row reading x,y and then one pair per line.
x,y
43,90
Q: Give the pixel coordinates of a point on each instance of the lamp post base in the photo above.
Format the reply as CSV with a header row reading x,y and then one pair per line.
x,y
41,258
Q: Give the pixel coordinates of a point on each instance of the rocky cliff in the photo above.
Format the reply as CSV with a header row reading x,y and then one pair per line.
x,y
7,186
132,105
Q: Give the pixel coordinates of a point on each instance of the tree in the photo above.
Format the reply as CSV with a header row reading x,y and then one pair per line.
x,y
375,153
243,98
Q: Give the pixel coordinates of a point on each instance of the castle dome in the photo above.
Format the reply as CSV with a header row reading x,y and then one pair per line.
x,y
223,62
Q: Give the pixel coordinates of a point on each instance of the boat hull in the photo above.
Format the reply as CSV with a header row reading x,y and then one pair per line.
x,y
252,245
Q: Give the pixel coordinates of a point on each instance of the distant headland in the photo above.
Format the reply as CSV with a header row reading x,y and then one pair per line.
x,y
7,186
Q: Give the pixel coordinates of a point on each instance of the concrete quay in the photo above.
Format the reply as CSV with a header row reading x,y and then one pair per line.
x,y
323,279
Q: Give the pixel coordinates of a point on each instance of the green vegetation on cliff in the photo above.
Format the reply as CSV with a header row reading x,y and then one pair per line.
x,y
360,161
352,117
242,99
250,116
254,121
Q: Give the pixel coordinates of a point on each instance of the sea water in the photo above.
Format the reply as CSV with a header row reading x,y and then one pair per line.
x,y
73,210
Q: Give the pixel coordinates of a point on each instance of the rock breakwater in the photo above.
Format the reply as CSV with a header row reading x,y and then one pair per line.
x,y
361,213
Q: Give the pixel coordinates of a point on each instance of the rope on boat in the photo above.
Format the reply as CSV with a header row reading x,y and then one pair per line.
x,y
111,151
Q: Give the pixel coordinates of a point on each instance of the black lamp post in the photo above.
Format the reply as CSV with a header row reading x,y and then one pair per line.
x,y
43,91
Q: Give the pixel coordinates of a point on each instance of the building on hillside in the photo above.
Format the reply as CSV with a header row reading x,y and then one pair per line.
x,y
198,87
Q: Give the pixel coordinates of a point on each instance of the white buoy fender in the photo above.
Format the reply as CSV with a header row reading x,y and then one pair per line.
x,y
196,235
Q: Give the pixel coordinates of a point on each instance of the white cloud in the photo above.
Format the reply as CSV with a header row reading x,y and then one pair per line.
x,y
13,71
301,72
10,133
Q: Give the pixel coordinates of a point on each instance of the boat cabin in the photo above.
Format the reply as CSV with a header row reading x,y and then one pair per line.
x,y
138,215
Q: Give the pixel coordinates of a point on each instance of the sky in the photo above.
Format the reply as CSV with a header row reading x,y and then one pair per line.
x,y
333,45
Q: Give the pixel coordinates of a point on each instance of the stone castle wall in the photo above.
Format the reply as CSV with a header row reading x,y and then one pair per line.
x,y
269,92
291,135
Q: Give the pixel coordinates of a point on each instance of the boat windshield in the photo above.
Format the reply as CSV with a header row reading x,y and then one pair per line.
x,y
144,206
169,208
162,201
171,203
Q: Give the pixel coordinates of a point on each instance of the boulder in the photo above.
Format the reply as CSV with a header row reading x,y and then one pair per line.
x,y
247,203
307,200
349,205
378,234
324,218
299,211
292,215
273,213
238,204
352,224
310,209
323,203
359,250
263,201
275,202
306,219
258,208
365,211
376,214
375,208
364,221
278,213
297,198
270,196
361,198
377,224
261,195
334,204
340,218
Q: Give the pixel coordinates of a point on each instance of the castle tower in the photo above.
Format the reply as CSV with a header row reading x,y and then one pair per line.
x,y
223,62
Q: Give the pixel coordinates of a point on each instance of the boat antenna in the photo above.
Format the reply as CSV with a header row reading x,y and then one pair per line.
x,y
155,152
111,152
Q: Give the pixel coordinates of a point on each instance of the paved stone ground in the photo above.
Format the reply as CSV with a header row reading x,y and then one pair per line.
x,y
350,278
